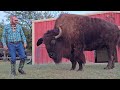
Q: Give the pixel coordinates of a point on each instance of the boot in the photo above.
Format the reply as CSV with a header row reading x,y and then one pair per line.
x,y
13,69
21,65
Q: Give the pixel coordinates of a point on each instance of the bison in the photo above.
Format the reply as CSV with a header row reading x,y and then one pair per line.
x,y
73,34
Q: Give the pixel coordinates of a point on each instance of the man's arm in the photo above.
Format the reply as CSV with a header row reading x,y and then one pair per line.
x,y
23,37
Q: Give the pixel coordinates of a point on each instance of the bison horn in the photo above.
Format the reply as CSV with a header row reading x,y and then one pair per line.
x,y
119,27
60,33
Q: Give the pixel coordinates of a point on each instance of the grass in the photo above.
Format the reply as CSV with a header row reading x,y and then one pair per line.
x,y
61,71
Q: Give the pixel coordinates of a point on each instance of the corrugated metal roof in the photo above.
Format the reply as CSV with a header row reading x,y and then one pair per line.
x,y
102,12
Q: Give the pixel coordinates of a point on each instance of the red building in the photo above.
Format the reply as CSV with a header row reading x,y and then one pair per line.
x,y
39,54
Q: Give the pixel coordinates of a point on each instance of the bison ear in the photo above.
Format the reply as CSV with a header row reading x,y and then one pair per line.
x,y
40,41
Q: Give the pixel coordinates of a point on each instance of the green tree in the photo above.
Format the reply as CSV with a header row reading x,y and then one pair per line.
x,y
26,17
1,28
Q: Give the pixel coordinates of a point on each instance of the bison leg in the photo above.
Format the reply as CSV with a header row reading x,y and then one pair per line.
x,y
111,55
80,66
115,58
73,64
73,61
109,66
80,58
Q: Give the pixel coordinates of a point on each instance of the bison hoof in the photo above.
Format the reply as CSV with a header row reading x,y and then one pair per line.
x,y
72,69
80,70
112,67
108,68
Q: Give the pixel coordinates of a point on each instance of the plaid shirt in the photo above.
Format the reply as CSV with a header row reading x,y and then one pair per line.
x,y
9,35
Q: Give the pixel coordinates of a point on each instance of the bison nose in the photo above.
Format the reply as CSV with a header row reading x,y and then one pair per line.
x,y
51,55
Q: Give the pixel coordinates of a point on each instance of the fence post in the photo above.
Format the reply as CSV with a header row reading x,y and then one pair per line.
x,y
4,56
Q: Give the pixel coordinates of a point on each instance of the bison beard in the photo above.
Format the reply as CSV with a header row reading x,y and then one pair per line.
x,y
73,34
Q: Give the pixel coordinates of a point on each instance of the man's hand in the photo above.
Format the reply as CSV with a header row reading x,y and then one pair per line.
x,y
25,45
5,47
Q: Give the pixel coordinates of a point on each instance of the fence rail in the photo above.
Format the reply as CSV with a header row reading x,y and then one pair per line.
x,y
4,55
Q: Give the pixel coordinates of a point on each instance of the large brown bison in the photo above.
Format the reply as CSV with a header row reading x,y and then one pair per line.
x,y
73,34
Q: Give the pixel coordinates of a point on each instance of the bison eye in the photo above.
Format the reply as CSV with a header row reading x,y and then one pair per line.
x,y
53,41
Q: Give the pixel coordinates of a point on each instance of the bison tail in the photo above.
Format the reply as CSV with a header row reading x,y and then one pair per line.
x,y
118,46
118,43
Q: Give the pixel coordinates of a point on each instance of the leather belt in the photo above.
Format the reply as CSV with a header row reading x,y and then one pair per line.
x,y
16,42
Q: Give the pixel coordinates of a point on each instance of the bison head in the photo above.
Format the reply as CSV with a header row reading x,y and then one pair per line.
x,y
53,42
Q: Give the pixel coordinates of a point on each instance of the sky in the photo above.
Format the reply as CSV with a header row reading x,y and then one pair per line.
x,y
2,14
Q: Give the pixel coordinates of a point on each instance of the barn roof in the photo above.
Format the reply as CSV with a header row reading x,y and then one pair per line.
x,y
102,12
44,20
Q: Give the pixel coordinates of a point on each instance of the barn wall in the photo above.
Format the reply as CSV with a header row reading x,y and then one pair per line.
x,y
40,55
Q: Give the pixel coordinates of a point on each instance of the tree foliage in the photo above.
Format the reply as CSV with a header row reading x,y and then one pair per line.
x,y
1,28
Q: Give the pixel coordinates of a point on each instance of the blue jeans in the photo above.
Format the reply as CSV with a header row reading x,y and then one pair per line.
x,y
13,48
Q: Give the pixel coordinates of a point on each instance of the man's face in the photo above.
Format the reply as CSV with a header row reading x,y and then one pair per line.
x,y
14,20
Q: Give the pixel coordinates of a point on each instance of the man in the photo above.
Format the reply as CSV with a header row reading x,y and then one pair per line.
x,y
14,40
